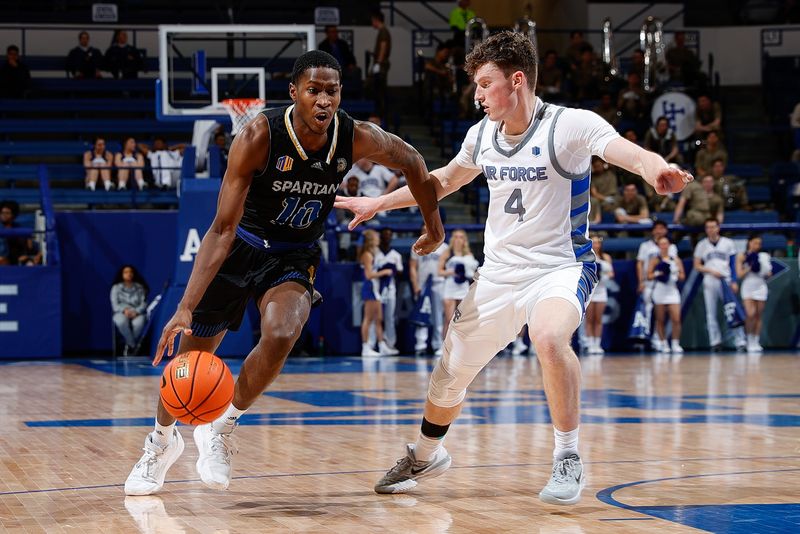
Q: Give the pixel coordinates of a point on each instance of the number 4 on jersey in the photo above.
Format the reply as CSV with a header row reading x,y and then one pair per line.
x,y
514,204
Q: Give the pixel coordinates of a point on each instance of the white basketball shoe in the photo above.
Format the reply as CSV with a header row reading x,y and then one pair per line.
x,y
215,454
147,476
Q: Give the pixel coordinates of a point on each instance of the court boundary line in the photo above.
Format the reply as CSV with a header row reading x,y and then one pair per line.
x,y
476,466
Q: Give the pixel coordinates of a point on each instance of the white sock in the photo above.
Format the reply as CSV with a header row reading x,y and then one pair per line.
x,y
225,423
162,435
107,184
426,448
92,186
566,443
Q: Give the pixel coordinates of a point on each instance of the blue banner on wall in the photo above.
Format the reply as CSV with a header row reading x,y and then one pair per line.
x,y
30,312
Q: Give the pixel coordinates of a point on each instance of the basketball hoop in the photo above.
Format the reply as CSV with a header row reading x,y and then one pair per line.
x,y
242,111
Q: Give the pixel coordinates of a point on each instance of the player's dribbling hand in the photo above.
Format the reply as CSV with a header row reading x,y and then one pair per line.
x,y
179,324
364,208
672,180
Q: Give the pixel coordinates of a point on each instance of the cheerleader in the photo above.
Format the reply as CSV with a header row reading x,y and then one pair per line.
x,y
597,305
667,270
371,295
457,265
753,267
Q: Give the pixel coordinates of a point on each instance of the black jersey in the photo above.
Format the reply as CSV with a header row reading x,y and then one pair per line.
x,y
291,199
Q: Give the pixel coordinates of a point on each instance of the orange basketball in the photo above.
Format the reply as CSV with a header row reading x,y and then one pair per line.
x,y
196,387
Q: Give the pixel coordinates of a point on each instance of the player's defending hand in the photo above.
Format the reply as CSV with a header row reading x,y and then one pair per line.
x,y
179,324
426,244
364,208
672,180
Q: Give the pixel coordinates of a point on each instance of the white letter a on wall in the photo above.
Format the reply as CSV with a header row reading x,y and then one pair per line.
x,y
192,245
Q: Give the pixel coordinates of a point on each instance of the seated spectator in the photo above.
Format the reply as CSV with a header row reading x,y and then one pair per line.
x,y
607,109
123,60
438,76
708,116
15,76
711,149
632,103
10,247
127,160
604,189
656,202
84,61
731,188
31,253
576,47
97,162
458,19
550,77
637,63
128,303
374,180
221,142
627,177
661,139
339,49
699,202
165,162
682,63
587,75
632,207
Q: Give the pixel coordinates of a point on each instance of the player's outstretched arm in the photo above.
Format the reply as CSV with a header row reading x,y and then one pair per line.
x,y
372,143
248,155
649,165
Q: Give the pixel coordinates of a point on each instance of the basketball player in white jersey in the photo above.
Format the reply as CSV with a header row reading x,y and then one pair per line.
x,y
715,258
539,266
647,251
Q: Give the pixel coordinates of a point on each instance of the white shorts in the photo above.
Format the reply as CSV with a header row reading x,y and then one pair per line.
x,y
754,288
454,291
600,294
490,317
666,294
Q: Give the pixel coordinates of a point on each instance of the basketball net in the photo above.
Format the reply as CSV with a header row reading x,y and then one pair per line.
x,y
242,111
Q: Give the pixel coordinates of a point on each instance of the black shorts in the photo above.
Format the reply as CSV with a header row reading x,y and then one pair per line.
x,y
246,273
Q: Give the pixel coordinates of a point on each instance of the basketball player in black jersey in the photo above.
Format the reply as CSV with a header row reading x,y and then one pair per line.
x,y
283,172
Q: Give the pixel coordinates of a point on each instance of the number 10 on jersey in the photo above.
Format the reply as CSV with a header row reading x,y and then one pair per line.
x,y
298,215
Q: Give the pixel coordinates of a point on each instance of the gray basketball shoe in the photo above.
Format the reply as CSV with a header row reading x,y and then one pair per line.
x,y
403,476
565,483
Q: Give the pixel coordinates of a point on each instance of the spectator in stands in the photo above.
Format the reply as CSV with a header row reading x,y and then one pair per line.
x,y
587,75
374,180
656,202
438,76
607,109
794,122
221,142
633,104
682,63
711,149
666,270
388,258
123,60
597,305
459,17
10,247
731,188
129,160
708,116
550,77
699,203
128,304
753,267
420,270
97,163
371,295
380,62
631,135
632,207
604,188
31,253
661,139
576,47
84,61
457,266
339,49
165,162
637,63
15,76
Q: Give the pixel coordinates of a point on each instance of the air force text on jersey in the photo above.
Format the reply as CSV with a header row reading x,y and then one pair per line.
x,y
304,188
514,174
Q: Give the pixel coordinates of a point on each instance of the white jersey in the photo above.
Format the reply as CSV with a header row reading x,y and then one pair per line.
x,y
428,265
538,188
373,183
381,259
649,250
716,256
453,289
166,166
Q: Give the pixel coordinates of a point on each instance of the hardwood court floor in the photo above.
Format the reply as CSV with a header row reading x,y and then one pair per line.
x,y
701,443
